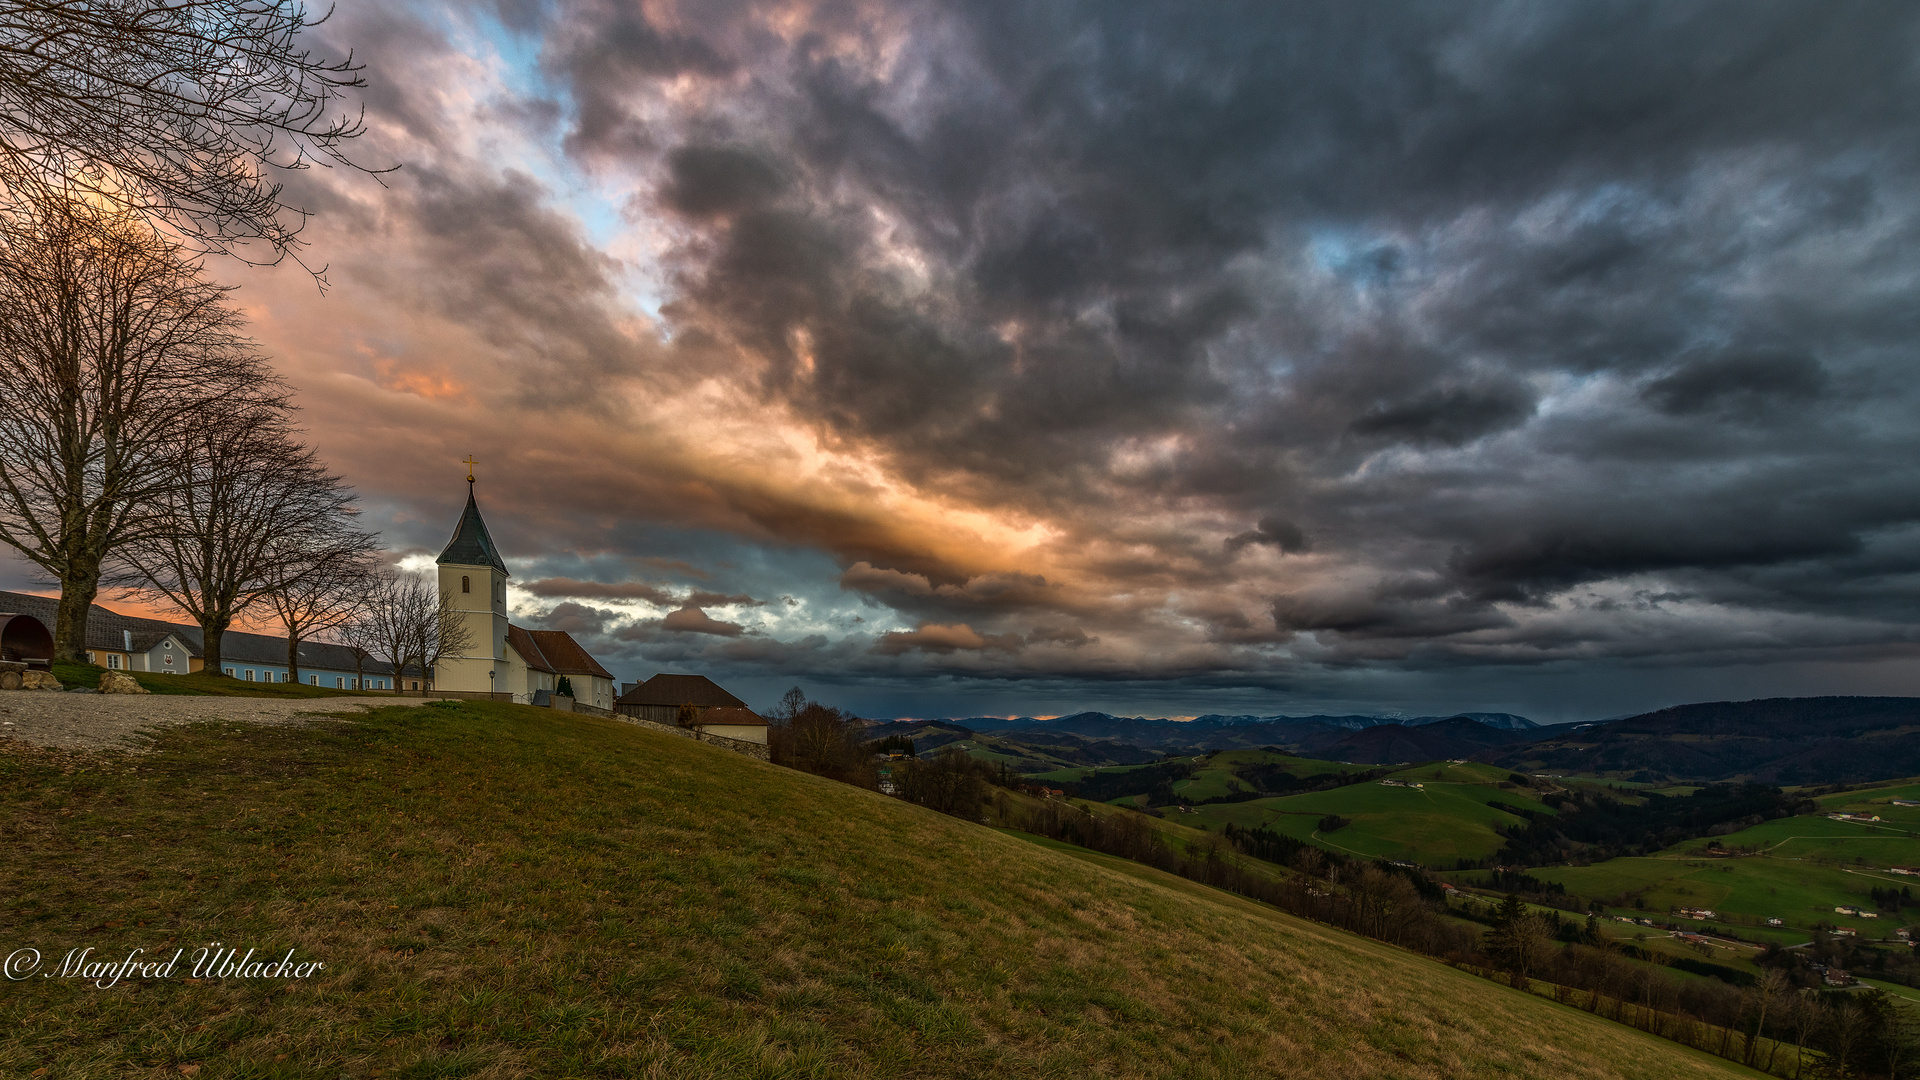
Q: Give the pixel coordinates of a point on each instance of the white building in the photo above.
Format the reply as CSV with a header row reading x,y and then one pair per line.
x,y
502,659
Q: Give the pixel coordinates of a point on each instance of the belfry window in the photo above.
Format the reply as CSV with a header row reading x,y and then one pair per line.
x,y
466,584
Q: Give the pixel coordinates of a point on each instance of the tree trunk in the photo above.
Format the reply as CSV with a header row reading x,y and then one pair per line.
x,y
293,656
77,590
359,671
211,637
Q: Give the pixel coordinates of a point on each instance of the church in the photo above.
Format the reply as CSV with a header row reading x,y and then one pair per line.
x,y
502,659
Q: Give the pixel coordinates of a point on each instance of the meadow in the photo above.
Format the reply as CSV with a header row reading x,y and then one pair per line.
x,y
1434,825
501,891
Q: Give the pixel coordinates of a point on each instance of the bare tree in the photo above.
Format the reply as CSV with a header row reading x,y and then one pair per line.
x,y
320,589
113,349
406,622
177,110
248,502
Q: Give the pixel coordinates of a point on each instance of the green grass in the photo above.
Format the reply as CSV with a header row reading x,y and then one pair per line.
x,y
504,891
1435,825
198,684
1742,891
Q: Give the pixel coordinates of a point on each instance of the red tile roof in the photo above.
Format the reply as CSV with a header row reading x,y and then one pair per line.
x,y
566,655
553,651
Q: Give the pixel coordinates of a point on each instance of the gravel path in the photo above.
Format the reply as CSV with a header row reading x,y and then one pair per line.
x,y
114,721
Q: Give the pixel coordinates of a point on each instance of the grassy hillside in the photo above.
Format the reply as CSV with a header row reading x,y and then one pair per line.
x,y
503,891
1436,824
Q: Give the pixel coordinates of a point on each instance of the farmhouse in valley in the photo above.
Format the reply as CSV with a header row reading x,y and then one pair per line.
x,y
693,701
502,659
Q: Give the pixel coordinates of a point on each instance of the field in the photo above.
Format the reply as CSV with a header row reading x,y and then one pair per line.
x,y
500,891
1434,825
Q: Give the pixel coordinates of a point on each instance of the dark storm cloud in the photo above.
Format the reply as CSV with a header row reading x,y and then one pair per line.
x,y
1746,380
1447,416
1274,532
1310,336
692,620
663,596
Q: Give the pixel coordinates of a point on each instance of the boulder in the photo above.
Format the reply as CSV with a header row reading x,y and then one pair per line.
x,y
119,682
39,680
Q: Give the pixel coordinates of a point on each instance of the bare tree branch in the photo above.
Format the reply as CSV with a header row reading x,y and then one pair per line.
x,y
113,349
178,110
405,622
321,588
249,508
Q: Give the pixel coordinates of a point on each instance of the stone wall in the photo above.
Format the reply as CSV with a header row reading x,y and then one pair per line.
x,y
738,746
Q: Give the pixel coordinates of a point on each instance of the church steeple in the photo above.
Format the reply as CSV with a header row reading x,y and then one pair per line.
x,y
471,545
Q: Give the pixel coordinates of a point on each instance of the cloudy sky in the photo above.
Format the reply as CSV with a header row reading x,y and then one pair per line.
x,y
978,357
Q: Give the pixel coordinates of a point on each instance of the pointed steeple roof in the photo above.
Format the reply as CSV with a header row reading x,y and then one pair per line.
x,y
471,545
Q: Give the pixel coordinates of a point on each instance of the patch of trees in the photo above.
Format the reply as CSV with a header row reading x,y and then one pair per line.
x,y
951,782
1761,1022
893,744
1154,781
1804,966
1892,899
1506,879
1334,823
1270,778
1593,825
820,739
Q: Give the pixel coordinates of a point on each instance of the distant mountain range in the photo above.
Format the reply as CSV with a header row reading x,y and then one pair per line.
x,y
1782,741
1341,738
1774,740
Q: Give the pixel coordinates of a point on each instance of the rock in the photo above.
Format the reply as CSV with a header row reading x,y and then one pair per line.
x,y
40,680
119,682
10,680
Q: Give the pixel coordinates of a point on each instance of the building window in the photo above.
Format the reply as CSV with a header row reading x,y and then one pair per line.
x,y
339,684
466,584
113,660
91,660
249,674
229,673
313,680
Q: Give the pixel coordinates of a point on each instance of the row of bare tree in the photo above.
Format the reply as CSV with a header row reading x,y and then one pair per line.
x,y
146,445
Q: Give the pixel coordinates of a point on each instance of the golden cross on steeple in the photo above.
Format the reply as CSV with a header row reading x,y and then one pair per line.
x,y
470,463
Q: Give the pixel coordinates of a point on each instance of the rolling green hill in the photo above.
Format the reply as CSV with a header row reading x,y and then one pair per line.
x,y
1446,819
497,890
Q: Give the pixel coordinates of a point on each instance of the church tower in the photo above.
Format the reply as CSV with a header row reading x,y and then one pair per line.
x,y
474,577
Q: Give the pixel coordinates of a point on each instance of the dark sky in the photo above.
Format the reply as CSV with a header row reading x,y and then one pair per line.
x,y
991,358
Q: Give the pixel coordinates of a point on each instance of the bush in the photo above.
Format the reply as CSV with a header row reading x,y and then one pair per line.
x,y
1334,823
